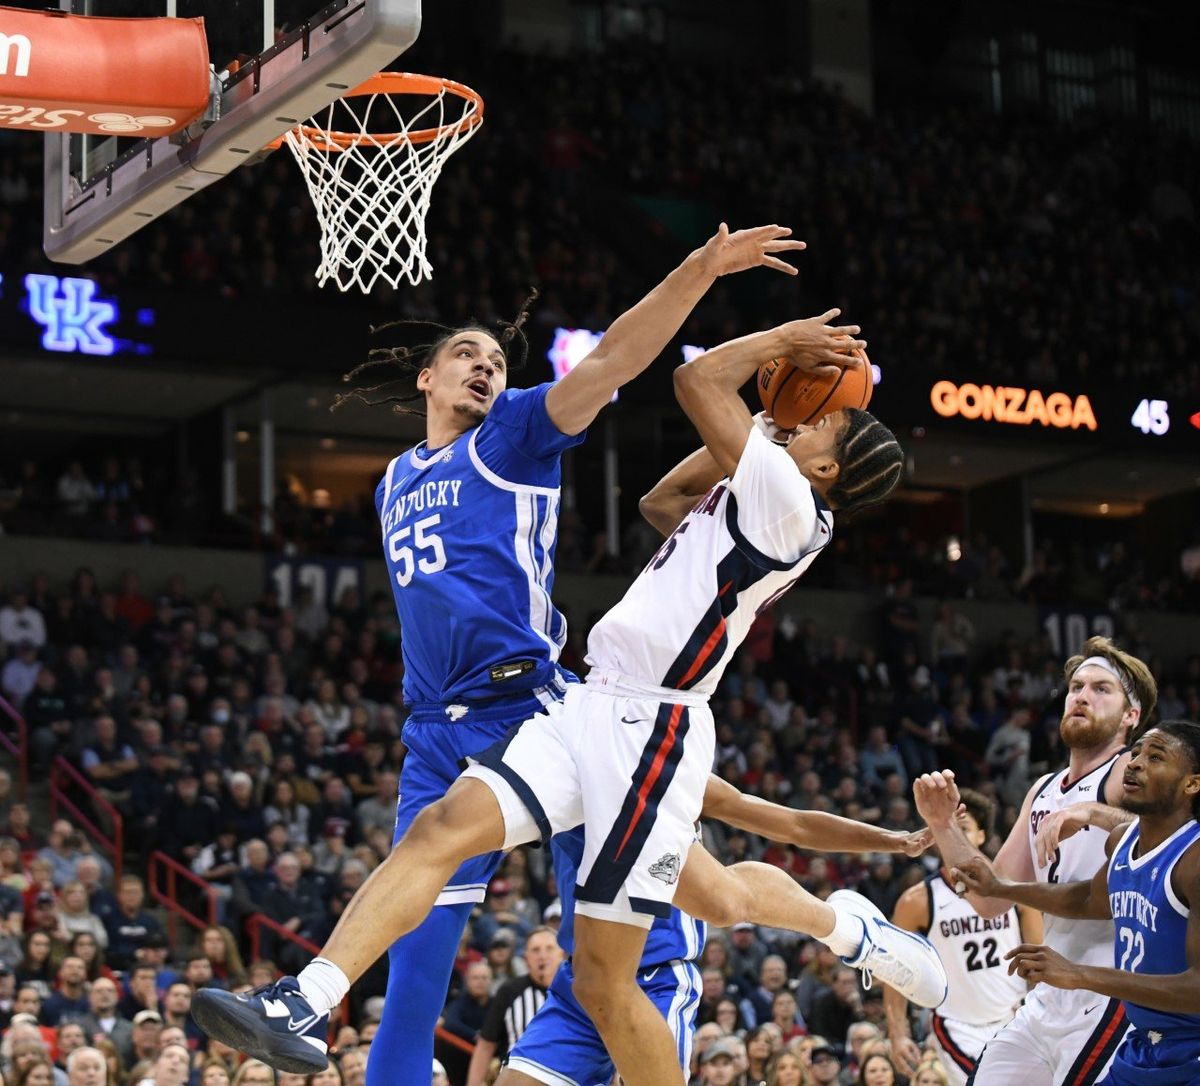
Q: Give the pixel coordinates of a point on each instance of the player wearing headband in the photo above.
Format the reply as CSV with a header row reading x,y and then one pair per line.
x,y
1066,1037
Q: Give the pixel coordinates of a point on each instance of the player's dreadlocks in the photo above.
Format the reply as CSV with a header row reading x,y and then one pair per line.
x,y
870,463
426,339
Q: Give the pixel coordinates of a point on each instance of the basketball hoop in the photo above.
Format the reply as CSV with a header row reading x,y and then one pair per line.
x,y
371,189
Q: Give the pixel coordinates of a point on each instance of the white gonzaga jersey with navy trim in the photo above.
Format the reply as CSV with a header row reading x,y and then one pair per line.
x,y
972,949
745,543
1078,858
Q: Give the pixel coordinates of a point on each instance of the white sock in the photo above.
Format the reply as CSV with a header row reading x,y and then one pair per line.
x,y
847,934
323,984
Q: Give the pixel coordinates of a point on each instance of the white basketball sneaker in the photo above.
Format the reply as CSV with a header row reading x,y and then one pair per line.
x,y
897,957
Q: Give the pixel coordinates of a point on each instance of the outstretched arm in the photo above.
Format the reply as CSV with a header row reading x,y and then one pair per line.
x,y
1177,992
637,337
707,386
1076,900
813,830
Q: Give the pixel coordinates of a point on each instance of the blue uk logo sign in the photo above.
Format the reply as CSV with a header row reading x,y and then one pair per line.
x,y
71,316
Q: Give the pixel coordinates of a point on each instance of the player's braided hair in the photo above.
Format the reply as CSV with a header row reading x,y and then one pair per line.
x,y
870,463
424,340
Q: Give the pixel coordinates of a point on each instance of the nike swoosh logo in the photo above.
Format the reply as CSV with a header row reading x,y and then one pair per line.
x,y
635,720
1116,867
303,1024
648,977
1089,1010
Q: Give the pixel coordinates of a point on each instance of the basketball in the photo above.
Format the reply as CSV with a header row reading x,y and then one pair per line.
x,y
794,398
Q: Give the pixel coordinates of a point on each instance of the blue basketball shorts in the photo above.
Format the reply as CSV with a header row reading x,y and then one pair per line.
x,y
1173,1061
561,1047
439,740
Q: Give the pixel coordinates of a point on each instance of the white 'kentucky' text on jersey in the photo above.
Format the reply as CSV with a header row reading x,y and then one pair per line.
x,y
745,543
1078,858
980,991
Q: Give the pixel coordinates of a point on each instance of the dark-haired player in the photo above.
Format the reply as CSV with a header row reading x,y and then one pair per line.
x,y
1150,887
628,753
1060,1037
981,994
469,521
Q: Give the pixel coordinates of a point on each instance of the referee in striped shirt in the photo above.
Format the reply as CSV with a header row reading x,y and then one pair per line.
x,y
515,1003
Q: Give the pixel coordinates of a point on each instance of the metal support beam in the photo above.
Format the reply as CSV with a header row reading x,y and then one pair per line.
x,y
228,462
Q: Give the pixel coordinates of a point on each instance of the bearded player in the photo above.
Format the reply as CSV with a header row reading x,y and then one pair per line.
x,y
1060,1037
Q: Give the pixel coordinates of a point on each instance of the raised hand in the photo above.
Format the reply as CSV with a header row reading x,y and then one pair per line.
x,y
976,875
725,253
936,797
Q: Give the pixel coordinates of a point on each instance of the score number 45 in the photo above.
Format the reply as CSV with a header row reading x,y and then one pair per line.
x,y
1151,417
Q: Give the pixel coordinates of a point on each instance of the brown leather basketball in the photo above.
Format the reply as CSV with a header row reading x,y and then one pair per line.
x,y
793,397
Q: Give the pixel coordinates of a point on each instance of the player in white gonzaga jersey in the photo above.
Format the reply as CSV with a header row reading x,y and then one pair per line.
x,y
628,753
1060,1038
981,995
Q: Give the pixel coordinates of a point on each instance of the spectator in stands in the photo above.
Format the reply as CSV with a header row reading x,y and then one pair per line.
x,y
194,822
1007,755
465,1014
746,955
242,809
141,991
70,1000
70,1037
110,763
218,945
36,968
379,811
86,1067
834,1012
772,979
90,874
130,926
21,622
172,1066
296,906
35,1071
499,913
19,675
147,1032
104,1019
8,992
51,725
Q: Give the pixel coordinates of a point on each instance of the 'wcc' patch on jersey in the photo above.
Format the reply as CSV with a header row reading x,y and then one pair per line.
x,y
666,868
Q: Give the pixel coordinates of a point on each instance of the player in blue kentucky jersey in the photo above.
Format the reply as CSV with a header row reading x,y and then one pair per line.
x,y
1150,887
469,527
562,1047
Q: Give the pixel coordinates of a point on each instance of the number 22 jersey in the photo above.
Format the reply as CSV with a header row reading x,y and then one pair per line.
x,y
469,533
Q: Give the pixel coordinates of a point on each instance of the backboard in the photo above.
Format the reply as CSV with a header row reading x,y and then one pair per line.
x,y
275,63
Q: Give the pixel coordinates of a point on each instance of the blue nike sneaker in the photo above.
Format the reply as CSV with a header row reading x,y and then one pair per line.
x,y
273,1023
902,959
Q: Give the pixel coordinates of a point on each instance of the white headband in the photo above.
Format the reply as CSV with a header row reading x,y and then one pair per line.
x,y
1110,667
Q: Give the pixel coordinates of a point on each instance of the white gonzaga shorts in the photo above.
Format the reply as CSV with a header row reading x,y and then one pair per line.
x,y
627,762
959,1043
1057,1038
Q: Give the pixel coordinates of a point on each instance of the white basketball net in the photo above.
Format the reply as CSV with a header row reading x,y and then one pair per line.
x,y
371,192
